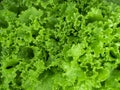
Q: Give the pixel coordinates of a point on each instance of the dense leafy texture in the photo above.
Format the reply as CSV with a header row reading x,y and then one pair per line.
x,y
59,45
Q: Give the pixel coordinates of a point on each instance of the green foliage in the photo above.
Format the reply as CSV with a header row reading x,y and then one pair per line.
x,y
59,45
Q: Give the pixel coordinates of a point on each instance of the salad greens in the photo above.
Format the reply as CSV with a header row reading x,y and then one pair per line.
x,y
59,45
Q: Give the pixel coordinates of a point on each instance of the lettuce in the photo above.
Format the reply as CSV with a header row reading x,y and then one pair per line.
x,y
59,45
